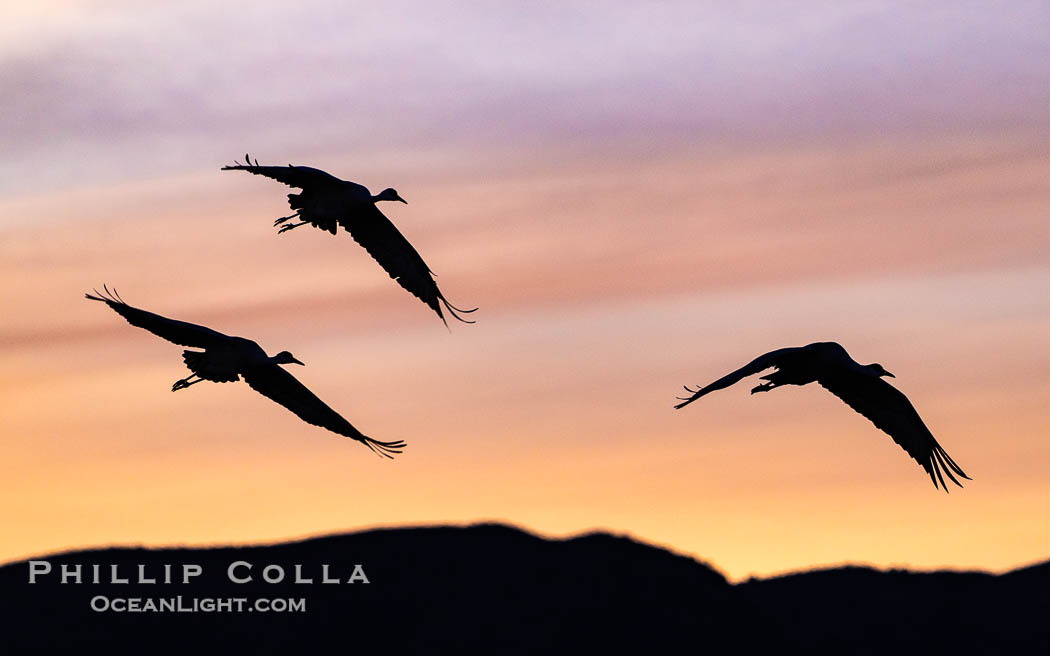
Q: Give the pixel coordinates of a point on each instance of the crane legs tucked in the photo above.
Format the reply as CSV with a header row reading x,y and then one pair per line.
x,y
183,383
764,387
291,226
285,218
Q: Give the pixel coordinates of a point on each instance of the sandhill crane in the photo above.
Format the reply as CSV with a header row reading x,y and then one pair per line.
x,y
226,359
327,202
860,386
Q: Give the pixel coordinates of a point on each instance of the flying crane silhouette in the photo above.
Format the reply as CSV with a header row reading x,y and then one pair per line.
x,y
860,386
327,202
226,359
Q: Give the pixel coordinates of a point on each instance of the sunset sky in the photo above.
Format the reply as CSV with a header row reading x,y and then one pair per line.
x,y
637,197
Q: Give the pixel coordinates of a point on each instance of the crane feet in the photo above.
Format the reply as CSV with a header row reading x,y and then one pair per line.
x,y
285,218
764,387
183,383
291,226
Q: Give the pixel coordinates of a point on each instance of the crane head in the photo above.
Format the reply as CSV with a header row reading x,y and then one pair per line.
x,y
390,194
284,357
879,370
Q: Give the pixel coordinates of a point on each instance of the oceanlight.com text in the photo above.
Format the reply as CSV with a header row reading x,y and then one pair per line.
x,y
181,604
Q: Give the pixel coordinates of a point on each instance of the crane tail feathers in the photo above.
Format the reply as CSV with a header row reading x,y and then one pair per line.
x,y
943,465
954,466
944,468
684,401
384,449
934,465
237,166
452,310
106,297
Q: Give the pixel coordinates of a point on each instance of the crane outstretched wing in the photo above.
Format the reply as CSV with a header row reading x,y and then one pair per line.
x,y
278,385
367,225
891,411
293,176
173,330
755,366
384,242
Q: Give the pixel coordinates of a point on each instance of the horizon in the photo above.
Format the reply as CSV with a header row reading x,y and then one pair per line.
x,y
820,567
637,199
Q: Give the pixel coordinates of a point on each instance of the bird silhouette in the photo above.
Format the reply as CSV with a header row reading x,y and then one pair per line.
x,y
225,359
860,386
327,202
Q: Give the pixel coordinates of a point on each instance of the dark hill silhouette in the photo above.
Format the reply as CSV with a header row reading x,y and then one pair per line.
x,y
859,610
495,589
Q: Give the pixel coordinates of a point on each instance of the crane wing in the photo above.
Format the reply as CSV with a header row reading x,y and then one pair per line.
x,y
293,176
173,330
891,411
755,366
278,385
384,242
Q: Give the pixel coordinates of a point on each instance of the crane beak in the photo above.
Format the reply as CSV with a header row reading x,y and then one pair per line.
x,y
297,362
890,375
402,200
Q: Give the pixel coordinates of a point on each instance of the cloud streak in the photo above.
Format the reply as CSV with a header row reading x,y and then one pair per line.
x,y
174,82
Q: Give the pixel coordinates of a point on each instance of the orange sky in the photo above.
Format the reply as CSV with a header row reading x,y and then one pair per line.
x,y
652,212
